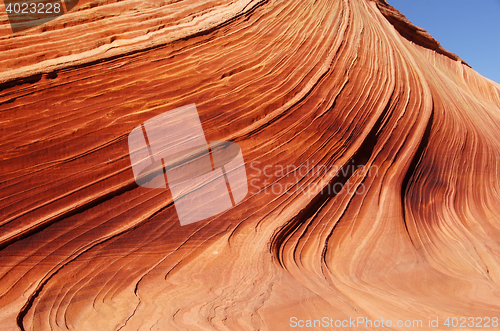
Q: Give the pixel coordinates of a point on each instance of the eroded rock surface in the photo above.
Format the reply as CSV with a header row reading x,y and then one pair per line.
x,y
347,91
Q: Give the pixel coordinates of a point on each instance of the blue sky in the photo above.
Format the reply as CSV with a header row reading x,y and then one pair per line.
x,y
470,29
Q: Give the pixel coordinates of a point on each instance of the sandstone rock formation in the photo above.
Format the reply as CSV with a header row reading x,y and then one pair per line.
x,y
319,95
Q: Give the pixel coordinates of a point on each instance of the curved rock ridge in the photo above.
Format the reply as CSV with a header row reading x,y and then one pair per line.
x,y
412,32
372,158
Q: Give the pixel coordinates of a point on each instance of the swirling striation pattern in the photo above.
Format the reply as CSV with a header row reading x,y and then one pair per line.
x,y
308,84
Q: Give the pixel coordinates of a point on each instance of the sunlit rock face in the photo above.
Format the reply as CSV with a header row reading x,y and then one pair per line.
x,y
372,158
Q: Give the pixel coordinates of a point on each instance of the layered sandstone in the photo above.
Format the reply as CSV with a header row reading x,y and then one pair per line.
x,y
345,85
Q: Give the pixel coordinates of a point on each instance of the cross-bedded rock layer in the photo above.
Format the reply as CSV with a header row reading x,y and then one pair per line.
x,y
298,84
